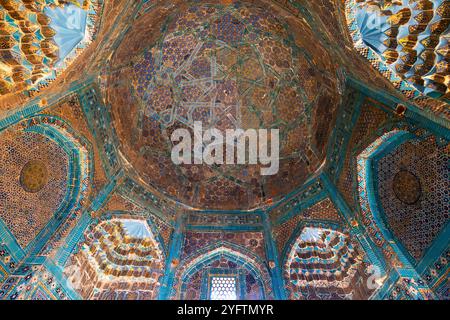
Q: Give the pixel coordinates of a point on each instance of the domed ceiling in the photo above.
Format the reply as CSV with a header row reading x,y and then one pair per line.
x,y
92,205
238,66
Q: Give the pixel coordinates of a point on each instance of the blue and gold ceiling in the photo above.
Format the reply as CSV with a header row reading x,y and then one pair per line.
x,y
40,38
92,207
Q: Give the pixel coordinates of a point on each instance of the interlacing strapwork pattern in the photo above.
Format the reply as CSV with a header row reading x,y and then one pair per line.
x,y
229,67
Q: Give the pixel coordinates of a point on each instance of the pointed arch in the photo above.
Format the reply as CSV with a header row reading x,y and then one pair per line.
x,y
120,258
378,231
377,217
240,260
77,152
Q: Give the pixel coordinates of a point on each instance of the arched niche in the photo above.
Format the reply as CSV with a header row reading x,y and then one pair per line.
x,y
246,275
324,262
402,190
119,258
46,168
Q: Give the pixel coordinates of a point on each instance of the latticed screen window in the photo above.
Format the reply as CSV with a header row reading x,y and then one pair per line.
x,y
223,288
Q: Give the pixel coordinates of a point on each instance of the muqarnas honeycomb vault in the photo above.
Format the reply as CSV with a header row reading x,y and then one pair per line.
x,y
92,207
